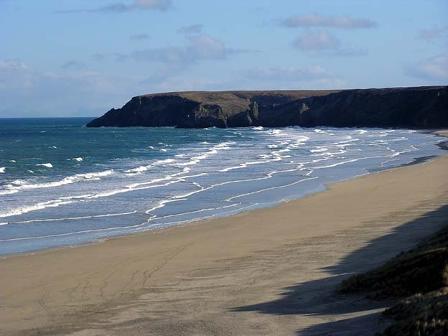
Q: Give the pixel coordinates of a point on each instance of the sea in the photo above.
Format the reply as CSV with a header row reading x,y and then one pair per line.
x,y
62,184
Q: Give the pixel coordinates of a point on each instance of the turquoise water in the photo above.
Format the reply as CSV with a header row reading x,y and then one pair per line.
x,y
64,184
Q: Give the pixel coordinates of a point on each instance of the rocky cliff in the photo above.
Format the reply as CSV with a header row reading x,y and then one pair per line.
x,y
418,107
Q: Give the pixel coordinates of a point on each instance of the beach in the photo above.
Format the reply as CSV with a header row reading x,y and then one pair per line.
x,y
223,168
270,271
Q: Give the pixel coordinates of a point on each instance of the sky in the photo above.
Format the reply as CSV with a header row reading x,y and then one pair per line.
x,y
83,57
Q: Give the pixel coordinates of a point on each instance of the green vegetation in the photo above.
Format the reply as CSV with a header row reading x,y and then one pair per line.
x,y
419,279
420,315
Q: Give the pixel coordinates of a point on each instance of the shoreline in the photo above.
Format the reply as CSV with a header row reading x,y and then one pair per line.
x,y
210,275
416,161
443,144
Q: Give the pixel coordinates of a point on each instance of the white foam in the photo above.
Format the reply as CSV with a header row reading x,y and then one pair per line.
x,y
262,149
141,169
330,154
72,218
2,170
7,192
182,197
193,212
249,163
169,179
79,159
337,164
276,132
397,139
204,155
319,150
94,175
75,233
266,158
345,142
300,139
34,207
270,188
135,227
18,182
19,185
348,161
137,170
47,165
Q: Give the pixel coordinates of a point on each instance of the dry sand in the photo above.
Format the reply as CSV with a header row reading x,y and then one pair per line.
x,y
266,272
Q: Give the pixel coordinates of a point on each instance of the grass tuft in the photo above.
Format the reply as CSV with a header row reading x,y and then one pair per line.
x,y
419,278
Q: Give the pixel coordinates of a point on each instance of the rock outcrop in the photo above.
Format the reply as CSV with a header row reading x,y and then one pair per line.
x,y
419,107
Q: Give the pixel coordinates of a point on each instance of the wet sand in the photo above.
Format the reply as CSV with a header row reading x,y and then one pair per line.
x,y
265,272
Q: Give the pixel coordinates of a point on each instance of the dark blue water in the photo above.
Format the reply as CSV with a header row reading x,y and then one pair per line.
x,y
64,184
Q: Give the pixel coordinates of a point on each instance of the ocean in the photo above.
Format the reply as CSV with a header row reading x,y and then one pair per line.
x,y
64,184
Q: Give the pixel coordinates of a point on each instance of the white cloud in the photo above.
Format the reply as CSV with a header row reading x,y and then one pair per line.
x,y
434,69
289,73
12,65
123,7
324,43
314,76
139,37
14,74
180,82
73,65
319,40
177,59
152,4
191,29
198,48
275,78
433,33
28,91
342,22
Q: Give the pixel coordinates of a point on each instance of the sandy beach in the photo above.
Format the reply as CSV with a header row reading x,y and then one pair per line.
x,y
265,272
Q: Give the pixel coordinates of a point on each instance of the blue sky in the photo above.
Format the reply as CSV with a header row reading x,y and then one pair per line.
x,y
82,57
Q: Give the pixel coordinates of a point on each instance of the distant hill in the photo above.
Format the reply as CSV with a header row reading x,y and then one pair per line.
x,y
412,107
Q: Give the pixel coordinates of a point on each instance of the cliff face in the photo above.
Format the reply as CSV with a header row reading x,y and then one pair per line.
x,y
421,107
425,107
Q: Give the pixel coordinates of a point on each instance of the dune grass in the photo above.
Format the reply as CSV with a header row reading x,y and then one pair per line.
x,y
420,315
419,280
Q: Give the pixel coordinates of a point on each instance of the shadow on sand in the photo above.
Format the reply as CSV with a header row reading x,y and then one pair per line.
x,y
319,297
